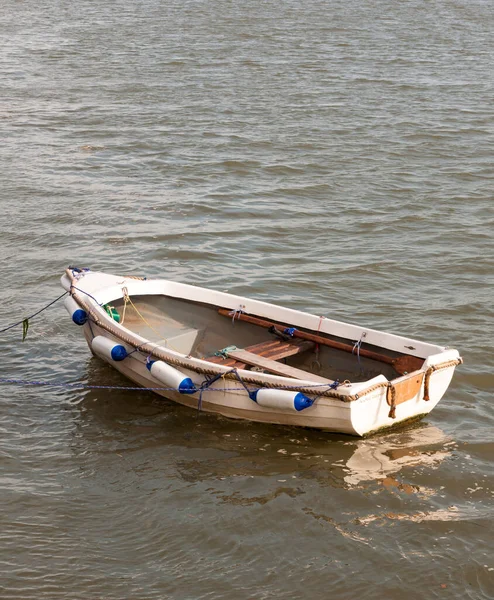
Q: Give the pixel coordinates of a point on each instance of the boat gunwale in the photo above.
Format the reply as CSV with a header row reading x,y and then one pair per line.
x,y
110,292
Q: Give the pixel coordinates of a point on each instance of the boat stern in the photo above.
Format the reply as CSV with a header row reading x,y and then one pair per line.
x,y
406,398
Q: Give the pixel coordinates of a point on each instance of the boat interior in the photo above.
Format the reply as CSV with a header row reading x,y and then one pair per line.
x,y
211,333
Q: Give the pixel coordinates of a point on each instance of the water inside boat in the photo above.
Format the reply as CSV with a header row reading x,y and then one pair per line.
x,y
202,331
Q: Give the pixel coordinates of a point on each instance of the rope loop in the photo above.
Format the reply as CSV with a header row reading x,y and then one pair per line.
x,y
391,400
236,312
427,380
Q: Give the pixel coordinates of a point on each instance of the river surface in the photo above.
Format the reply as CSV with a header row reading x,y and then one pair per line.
x,y
332,156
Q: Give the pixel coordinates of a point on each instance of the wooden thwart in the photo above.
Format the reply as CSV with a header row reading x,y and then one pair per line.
x,y
275,367
401,364
272,349
278,349
226,362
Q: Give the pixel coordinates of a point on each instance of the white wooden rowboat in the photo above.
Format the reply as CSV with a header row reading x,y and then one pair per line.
x,y
248,359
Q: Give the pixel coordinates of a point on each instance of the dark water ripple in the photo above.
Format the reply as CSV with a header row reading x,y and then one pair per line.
x,y
334,157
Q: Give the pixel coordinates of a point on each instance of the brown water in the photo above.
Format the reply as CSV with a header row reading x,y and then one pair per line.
x,y
334,157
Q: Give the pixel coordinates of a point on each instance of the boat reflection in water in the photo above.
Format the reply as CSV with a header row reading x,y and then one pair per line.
x,y
198,456
380,457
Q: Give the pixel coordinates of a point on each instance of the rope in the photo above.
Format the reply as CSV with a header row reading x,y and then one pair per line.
x,y
126,298
79,269
73,287
391,400
25,321
224,353
439,367
148,324
84,386
332,386
356,350
206,385
317,348
76,385
427,380
236,313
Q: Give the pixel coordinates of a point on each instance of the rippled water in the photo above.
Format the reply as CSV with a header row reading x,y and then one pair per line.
x,y
334,157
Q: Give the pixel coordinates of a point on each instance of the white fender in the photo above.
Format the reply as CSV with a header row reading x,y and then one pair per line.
x,y
171,377
77,314
108,348
281,399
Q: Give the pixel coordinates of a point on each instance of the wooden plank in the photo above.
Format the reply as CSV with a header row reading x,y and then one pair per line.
x,y
273,349
263,346
278,349
401,364
408,388
275,367
226,362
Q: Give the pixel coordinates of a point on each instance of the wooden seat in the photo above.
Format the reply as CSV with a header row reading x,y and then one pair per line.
x,y
265,355
278,349
276,367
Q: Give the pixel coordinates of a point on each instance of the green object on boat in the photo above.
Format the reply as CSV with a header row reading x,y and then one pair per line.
x,y
112,311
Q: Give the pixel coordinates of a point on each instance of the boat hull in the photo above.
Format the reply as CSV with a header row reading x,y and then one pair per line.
x,y
354,408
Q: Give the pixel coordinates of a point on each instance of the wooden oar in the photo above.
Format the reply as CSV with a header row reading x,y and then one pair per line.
x,y
401,364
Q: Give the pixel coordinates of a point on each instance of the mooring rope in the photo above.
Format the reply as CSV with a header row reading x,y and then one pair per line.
x,y
87,294
85,386
77,385
25,321
205,386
